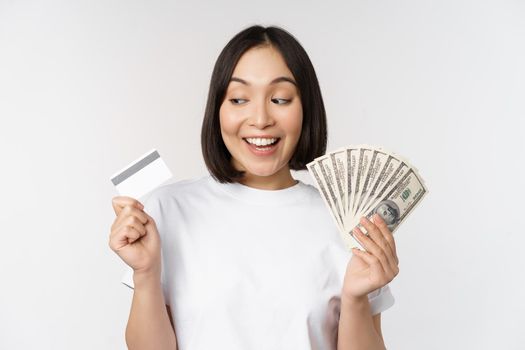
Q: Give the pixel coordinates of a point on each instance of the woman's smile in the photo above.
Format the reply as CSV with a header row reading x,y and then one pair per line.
x,y
262,146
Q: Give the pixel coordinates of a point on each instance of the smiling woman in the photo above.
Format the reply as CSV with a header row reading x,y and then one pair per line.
x,y
263,86
250,258
261,118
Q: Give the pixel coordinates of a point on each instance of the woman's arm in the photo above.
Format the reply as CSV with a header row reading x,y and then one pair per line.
x,y
367,271
149,325
358,329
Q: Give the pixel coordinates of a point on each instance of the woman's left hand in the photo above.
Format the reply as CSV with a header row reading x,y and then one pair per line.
x,y
373,269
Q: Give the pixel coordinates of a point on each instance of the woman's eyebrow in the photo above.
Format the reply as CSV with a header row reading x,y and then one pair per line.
x,y
275,81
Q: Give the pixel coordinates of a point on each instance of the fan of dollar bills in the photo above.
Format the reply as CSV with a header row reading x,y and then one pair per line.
x,y
362,180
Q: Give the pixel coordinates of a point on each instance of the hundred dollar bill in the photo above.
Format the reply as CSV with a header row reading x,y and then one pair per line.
x,y
328,198
329,175
326,193
377,163
393,170
365,157
399,202
352,159
338,158
356,181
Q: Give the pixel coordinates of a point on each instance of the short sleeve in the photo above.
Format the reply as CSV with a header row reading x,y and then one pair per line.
x,y
153,207
380,299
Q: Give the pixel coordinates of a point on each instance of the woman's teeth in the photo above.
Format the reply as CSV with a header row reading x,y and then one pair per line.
x,y
260,141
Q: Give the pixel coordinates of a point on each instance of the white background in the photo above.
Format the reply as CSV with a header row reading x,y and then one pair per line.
x,y
88,86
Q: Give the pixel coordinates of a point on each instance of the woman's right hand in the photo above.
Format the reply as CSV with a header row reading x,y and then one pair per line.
x,y
134,236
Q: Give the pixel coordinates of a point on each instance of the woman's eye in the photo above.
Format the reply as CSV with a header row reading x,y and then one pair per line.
x,y
280,101
237,101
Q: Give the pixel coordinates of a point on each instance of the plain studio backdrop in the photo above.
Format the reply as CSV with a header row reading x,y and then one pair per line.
x,y
88,86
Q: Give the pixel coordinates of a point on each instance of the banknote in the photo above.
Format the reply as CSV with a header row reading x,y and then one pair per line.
x,y
327,194
395,206
362,180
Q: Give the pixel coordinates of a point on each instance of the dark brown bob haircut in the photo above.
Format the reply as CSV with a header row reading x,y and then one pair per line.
x,y
312,142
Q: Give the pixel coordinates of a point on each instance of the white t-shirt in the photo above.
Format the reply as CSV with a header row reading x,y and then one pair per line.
x,y
249,269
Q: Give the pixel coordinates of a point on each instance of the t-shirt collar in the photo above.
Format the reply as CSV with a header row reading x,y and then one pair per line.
x,y
249,194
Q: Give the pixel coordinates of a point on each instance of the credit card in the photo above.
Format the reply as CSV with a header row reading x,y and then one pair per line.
x,y
142,176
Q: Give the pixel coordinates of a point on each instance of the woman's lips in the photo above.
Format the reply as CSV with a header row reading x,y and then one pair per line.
x,y
262,150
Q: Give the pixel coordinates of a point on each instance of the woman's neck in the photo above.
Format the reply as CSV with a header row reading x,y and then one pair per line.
x,y
278,181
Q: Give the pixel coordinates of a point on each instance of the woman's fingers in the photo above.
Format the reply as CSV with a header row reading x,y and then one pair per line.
x,y
375,264
137,224
130,221
373,248
134,235
377,236
129,225
387,234
129,211
123,236
119,202
376,244
149,221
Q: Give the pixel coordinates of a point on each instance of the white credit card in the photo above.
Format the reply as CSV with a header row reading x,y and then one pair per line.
x,y
142,175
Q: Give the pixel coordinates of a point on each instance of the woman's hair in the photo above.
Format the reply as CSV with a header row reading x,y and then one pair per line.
x,y
312,142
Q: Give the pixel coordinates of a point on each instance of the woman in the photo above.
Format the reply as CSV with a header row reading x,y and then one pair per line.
x,y
250,257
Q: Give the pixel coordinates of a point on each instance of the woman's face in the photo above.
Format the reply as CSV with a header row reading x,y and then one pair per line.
x,y
261,115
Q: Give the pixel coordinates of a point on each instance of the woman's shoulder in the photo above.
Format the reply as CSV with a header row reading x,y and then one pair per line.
x,y
312,192
309,188
180,188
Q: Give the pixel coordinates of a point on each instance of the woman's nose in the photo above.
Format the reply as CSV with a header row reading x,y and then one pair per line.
x,y
261,116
